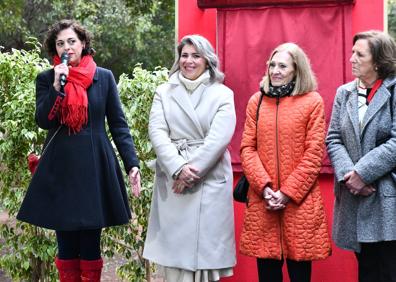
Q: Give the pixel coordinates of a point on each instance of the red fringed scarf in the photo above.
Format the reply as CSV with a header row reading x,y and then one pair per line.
x,y
74,108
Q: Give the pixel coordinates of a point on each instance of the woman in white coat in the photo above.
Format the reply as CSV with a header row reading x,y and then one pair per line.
x,y
192,120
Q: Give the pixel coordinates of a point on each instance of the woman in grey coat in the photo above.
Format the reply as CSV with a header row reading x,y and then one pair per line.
x,y
192,120
361,143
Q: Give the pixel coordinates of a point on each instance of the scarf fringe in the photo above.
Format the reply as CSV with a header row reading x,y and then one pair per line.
x,y
74,116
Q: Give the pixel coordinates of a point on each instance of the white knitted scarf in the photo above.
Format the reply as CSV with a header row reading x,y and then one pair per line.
x,y
191,85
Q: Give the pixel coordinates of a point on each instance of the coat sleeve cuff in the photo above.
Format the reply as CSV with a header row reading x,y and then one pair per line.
x,y
55,108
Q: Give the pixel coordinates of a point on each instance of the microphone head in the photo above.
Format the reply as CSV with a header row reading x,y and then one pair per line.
x,y
65,58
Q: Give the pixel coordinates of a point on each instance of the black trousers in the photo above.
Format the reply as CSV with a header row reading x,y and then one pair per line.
x,y
377,262
270,270
82,244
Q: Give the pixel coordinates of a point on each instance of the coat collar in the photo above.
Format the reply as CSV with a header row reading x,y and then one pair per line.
x,y
96,75
179,94
352,106
173,79
380,98
388,82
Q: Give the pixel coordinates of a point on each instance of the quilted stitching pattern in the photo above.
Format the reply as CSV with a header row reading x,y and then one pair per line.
x,y
298,232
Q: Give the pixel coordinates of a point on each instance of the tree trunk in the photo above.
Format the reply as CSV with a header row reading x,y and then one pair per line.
x,y
148,270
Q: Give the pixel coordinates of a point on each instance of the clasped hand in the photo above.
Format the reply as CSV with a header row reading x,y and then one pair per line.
x,y
356,186
274,200
187,178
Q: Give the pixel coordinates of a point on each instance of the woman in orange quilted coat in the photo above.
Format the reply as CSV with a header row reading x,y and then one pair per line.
x,y
281,157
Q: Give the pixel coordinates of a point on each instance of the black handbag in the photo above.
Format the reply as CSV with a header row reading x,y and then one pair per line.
x,y
242,187
241,190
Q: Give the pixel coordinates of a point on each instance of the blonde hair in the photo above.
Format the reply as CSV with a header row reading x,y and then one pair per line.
x,y
205,49
304,77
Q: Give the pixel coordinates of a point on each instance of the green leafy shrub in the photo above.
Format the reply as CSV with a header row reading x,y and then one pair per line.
x,y
27,251
136,96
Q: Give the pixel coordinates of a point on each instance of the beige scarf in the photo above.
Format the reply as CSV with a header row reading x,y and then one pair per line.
x,y
191,85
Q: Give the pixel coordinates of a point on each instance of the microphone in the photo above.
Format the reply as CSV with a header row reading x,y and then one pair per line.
x,y
64,60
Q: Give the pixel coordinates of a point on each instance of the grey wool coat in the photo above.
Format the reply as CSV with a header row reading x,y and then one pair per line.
x,y
193,230
371,152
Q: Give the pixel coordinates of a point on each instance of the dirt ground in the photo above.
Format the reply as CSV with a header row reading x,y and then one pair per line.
x,y
108,274
109,268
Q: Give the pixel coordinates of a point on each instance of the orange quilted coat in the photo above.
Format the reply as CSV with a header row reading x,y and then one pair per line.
x,y
290,138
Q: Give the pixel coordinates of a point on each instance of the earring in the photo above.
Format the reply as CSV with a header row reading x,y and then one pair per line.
x,y
376,68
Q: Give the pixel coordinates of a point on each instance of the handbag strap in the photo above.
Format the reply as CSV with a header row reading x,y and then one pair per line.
x,y
49,142
258,113
391,90
258,108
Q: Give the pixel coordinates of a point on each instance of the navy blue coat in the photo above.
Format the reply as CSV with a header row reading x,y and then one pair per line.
x,y
79,184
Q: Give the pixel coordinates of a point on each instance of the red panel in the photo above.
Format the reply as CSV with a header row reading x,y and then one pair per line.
x,y
247,36
368,14
192,20
255,3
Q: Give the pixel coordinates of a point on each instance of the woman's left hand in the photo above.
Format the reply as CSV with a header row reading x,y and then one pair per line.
x,y
134,180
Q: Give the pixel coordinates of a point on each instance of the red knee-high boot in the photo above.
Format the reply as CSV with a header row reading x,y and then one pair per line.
x,y
69,270
91,270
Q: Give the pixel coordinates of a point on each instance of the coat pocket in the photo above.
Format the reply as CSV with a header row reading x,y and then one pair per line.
x,y
390,186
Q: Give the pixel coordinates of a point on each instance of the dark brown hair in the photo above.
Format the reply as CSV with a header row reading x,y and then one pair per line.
x,y
383,50
82,34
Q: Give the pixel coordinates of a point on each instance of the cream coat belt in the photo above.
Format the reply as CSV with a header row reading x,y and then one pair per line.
x,y
184,146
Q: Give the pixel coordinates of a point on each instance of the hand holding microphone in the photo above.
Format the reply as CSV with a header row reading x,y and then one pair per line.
x,y
64,60
61,72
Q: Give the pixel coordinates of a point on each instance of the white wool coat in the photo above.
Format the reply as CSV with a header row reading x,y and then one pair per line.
x,y
193,230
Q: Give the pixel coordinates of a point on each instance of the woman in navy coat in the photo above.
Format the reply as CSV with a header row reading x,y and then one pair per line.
x,y
78,188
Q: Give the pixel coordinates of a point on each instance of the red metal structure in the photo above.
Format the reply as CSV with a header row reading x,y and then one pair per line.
x,y
244,32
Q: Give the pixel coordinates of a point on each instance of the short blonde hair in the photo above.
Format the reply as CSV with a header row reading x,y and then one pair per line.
x,y
304,77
